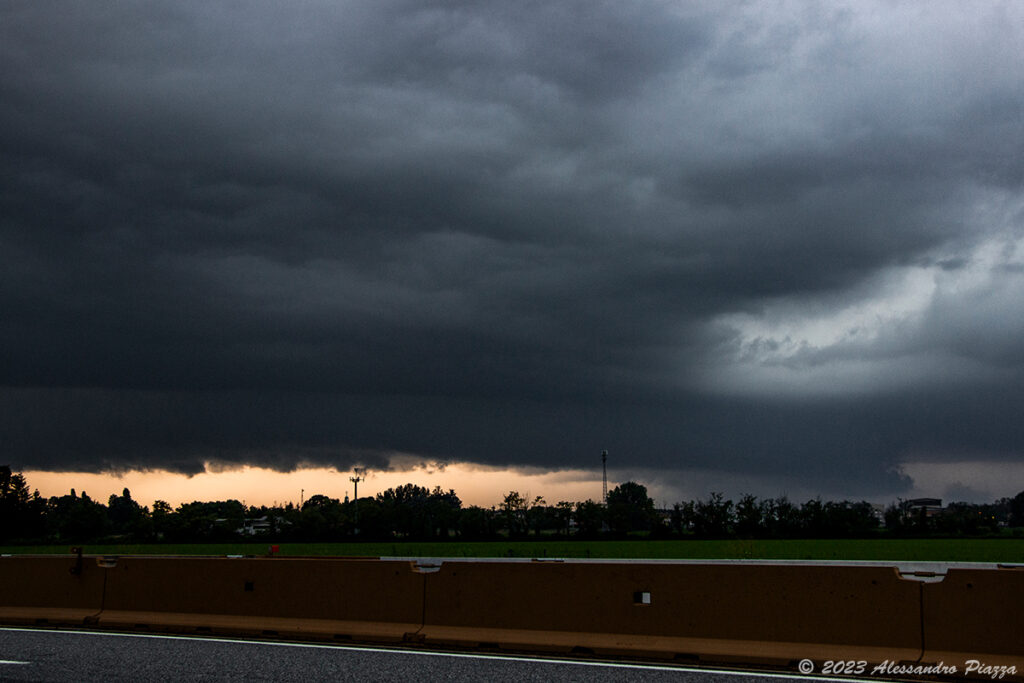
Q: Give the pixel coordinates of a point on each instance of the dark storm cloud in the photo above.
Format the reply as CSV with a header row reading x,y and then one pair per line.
x,y
730,237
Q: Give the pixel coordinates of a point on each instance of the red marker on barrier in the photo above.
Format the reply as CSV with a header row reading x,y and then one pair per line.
x,y
274,549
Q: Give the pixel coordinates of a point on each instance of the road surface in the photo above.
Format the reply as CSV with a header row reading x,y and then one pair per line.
x,y
51,655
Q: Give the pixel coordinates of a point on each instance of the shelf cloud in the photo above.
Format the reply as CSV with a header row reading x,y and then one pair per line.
x,y
760,241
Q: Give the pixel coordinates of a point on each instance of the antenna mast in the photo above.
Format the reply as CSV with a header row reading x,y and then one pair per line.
x,y
604,481
355,493
355,480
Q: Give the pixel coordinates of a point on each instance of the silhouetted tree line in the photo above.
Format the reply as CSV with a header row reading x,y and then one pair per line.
x,y
413,512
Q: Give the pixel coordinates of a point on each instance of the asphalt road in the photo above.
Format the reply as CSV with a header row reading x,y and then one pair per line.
x,y
46,655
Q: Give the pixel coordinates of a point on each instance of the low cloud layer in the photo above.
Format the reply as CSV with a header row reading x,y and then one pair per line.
x,y
767,242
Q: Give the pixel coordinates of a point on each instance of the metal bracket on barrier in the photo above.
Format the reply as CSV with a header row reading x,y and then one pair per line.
x,y
923,576
427,568
77,569
106,562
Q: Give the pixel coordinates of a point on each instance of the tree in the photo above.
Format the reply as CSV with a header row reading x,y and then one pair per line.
x,y
630,508
208,521
537,517
443,508
77,519
21,513
967,519
845,519
477,523
677,518
415,512
563,515
127,517
749,517
404,510
321,518
590,518
373,521
713,517
163,518
1017,510
513,508
781,518
895,516
813,522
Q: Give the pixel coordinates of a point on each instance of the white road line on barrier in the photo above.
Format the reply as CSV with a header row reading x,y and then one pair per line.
x,y
462,655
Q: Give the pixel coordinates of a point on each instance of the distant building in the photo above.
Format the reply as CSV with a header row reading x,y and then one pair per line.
x,y
929,506
251,527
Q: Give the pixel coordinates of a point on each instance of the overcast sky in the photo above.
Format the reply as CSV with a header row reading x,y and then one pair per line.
x,y
775,242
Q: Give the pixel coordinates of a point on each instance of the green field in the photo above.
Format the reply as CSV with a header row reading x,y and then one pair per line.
x,y
1004,550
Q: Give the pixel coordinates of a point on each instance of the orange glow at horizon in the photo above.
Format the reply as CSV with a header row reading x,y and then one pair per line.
x,y
475,485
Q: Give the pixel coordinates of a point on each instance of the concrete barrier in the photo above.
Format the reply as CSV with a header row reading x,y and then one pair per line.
x,y
61,590
358,600
764,614
976,615
769,614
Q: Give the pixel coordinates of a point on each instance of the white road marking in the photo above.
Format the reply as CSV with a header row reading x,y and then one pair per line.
x,y
11,661
462,655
